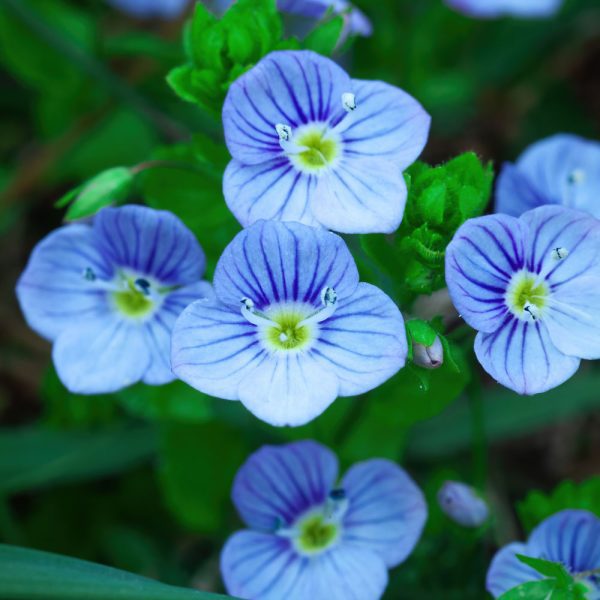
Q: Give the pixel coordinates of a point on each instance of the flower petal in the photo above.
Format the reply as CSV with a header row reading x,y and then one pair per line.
x,y
278,484
345,572
52,290
289,389
287,87
214,348
500,8
150,242
507,571
571,537
159,328
480,261
387,124
260,565
515,192
386,510
364,342
275,262
521,356
101,355
360,195
270,190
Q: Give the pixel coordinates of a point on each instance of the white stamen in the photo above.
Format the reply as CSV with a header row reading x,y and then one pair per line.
x,y
283,531
329,301
88,274
349,101
284,132
576,176
532,310
253,316
283,337
559,253
336,505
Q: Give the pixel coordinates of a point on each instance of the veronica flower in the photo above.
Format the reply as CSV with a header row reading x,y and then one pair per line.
x,y
570,537
291,327
462,504
531,286
562,169
503,8
312,537
311,145
162,9
107,296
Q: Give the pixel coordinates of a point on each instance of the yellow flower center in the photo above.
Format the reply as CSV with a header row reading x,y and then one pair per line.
x,y
526,295
287,335
133,301
320,151
316,534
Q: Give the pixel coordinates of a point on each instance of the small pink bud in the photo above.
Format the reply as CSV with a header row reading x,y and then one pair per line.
x,y
429,357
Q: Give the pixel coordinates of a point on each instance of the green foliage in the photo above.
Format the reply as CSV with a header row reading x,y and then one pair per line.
x,y
106,188
220,50
33,575
198,463
439,200
325,38
537,506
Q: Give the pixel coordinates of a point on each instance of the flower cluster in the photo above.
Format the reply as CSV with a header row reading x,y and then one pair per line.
x,y
311,536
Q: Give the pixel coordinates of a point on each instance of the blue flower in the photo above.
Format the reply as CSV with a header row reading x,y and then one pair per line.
x,y
531,286
311,145
562,169
312,538
163,9
462,504
107,296
570,537
502,8
291,327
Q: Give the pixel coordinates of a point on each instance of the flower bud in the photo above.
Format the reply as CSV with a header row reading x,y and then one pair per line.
x,y
462,504
429,357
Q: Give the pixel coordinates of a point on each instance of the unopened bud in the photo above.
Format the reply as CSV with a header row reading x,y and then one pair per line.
x,y
462,504
429,357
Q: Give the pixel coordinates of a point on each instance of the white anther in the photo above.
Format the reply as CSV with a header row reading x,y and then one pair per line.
x,y
559,253
328,296
142,285
247,303
283,337
532,311
329,301
88,274
349,101
253,316
576,176
336,505
284,132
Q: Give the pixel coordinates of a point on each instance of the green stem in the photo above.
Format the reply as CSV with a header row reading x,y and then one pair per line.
x,y
9,530
95,69
479,438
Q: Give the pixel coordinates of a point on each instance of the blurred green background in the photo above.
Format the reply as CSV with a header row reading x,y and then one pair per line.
x,y
140,480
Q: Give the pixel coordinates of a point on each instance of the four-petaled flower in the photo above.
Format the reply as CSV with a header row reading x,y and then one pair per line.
x,y
291,327
489,9
569,537
562,169
311,145
531,286
108,295
312,537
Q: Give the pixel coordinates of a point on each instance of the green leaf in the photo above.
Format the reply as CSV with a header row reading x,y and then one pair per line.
x,y
106,188
32,575
421,332
324,38
534,590
196,483
31,458
548,568
537,506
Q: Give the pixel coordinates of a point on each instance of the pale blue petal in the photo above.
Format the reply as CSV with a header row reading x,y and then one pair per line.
x,y
502,8
261,566
158,330
52,290
386,510
150,242
387,124
462,504
360,195
289,389
345,572
364,342
168,9
278,484
214,348
286,87
552,227
101,355
275,262
521,356
270,190
480,261
507,571
515,193
571,537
